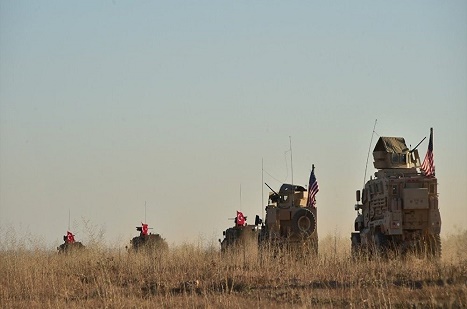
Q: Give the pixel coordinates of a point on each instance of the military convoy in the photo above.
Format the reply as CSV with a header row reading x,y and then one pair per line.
x,y
397,211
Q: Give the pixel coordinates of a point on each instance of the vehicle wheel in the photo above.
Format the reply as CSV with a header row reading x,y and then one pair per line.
x,y
303,222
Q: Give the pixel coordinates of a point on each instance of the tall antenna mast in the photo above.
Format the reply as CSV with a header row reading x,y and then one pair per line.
x,y
240,196
145,212
291,157
291,167
68,219
369,147
262,188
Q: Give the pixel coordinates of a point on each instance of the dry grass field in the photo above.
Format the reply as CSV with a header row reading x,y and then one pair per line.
x,y
191,276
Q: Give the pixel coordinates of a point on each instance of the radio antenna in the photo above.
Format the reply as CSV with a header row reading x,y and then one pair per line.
x,y
291,157
262,188
369,147
240,196
68,219
291,167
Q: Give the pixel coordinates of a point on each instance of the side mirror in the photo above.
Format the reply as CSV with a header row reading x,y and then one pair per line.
x,y
223,233
220,240
358,195
258,221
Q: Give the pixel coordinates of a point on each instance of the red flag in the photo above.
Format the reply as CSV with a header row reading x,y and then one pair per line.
x,y
70,238
144,229
240,219
428,165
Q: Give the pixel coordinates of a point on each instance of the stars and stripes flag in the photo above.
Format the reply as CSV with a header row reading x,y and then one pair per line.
x,y
313,188
428,165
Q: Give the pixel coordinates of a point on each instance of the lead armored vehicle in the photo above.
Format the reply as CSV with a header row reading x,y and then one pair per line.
x,y
290,221
397,210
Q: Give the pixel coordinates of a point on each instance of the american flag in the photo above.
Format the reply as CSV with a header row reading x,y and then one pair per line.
x,y
313,188
428,165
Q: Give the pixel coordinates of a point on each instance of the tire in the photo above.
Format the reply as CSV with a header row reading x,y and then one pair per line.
x,y
303,222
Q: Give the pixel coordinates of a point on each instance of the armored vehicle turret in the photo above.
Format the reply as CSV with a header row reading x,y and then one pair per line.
x,y
291,220
398,208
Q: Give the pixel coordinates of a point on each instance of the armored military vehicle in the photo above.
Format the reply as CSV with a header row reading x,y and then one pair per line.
x,y
148,241
241,234
291,220
398,209
69,244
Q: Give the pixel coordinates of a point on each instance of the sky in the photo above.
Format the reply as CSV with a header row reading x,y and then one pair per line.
x,y
176,112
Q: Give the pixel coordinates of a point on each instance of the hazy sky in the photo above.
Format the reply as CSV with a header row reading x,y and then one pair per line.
x,y
108,105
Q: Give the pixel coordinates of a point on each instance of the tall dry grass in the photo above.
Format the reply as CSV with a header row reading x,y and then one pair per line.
x,y
193,276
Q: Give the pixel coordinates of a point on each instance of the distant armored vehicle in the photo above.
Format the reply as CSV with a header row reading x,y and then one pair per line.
x,y
148,241
241,234
291,220
399,207
69,244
